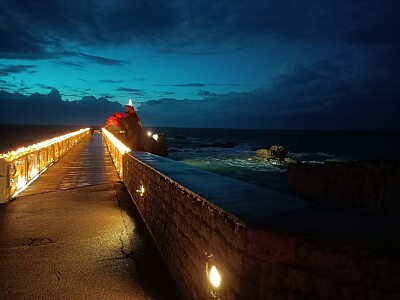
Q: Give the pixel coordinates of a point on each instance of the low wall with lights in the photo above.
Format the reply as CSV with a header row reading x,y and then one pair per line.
x,y
202,244
116,149
214,255
18,168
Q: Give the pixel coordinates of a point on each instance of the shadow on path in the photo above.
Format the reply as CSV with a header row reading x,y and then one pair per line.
x,y
153,274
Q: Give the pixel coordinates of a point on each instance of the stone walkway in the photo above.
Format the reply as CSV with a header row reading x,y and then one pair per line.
x,y
75,234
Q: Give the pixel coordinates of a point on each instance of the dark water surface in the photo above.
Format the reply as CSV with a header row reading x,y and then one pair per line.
x,y
315,147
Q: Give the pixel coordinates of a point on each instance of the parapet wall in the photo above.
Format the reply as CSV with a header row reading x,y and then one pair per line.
x,y
271,262
192,234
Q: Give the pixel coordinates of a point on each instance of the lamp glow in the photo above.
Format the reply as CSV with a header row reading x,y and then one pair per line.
x,y
149,133
116,142
155,136
215,278
141,190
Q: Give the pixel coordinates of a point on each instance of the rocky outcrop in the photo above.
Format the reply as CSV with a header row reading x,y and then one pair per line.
x,y
367,185
276,153
128,128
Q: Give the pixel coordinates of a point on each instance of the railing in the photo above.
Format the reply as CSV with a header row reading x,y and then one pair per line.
x,y
20,167
117,150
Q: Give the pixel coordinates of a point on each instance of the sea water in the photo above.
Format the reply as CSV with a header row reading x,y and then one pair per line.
x,y
202,148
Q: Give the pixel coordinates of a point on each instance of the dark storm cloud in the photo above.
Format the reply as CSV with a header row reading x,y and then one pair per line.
x,y
310,96
5,84
6,70
38,29
50,109
102,60
140,19
168,93
131,91
172,49
357,92
107,96
198,84
109,81
353,21
190,85
205,94
23,89
154,102
297,74
80,92
84,58
44,86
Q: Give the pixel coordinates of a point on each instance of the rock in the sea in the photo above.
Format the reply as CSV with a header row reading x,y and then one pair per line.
x,y
372,186
276,153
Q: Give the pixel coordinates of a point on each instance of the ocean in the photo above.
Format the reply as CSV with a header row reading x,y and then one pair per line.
x,y
194,147
229,152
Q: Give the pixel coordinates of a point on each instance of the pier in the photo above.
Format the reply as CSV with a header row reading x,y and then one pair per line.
x,y
75,234
104,222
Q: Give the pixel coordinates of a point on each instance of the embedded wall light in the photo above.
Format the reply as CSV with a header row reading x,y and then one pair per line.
x,y
140,190
215,277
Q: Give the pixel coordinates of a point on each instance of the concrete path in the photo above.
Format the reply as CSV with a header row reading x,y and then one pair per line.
x,y
75,234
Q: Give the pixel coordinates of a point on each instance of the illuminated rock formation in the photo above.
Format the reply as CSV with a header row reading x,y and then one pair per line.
x,y
128,128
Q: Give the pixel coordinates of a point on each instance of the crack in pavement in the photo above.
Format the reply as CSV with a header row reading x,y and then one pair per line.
x,y
59,276
40,241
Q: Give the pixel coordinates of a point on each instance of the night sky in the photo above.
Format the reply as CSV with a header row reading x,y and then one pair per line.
x,y
211,63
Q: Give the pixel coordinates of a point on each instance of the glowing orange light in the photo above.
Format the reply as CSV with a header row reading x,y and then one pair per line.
x,y
116,142
141,190
214,276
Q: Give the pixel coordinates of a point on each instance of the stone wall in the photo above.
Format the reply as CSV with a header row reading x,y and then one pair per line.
x,y
367,185
193,234
280,266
